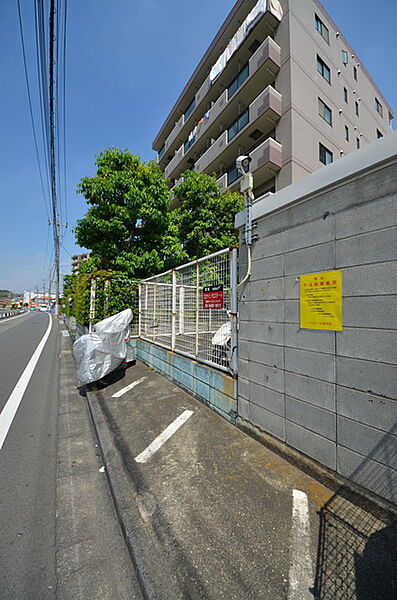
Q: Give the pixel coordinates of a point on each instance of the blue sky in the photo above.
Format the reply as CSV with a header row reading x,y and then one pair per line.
x,y
127,61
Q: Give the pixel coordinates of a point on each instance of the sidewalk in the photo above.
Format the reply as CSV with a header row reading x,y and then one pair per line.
x,y
208,512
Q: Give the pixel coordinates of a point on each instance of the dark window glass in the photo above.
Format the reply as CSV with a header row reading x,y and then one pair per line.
x,y
238,125
346,133
378,107
237,81
161,151
323,69
358,143
357,111
189,143
325,155
345,94
379,134
324,111
355,73
321,28
232,175
190,109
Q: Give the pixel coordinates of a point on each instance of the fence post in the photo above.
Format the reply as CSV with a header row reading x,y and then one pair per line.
x,y
154,309
173,310
106,303
92,303
181,309
197,306
139,310
234,310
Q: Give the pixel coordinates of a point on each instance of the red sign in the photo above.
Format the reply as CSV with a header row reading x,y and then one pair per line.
x,y
213,296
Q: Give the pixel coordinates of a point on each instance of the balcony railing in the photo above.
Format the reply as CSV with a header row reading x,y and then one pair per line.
x,y
262,113
263,64
266,162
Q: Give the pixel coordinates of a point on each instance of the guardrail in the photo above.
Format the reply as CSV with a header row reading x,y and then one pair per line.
x,y
10,313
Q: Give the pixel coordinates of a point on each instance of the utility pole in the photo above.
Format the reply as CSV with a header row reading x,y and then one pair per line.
x,y
52,153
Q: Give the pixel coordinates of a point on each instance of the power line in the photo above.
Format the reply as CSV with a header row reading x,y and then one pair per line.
x,y
45,199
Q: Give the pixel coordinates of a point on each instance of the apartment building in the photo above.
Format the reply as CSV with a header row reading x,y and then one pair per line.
x,y
77,259
280,83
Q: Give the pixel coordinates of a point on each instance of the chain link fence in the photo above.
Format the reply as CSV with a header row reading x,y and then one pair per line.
x,y
193,309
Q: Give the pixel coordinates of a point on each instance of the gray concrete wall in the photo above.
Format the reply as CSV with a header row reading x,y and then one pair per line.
x,y
330,395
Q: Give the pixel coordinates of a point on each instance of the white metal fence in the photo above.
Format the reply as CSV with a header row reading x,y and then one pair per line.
x,y
193,309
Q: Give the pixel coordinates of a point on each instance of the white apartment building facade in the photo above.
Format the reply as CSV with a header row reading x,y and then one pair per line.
x,y
279,83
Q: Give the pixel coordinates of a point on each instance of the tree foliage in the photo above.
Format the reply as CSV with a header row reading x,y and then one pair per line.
x,y
127,225
204,216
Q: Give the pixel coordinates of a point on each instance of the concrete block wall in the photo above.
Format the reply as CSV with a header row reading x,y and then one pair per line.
x,y
214,388
330,395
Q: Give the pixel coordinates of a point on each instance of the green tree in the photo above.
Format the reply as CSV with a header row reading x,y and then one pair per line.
x,y
127,225
204,215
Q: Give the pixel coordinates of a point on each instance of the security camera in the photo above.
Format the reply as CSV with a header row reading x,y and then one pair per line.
x,y
243,164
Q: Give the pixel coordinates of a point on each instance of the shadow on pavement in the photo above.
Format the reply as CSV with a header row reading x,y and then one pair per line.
x,y
112,377
357,547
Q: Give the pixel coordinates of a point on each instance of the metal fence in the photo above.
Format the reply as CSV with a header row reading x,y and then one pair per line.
x,y
193,309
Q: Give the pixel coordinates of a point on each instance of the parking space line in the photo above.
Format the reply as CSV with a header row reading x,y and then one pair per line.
x,y
163,437
128,387
301,571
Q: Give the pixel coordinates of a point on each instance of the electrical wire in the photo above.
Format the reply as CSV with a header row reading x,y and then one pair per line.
x,y
45,196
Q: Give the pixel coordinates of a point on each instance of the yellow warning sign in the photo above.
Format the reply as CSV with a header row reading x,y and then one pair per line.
x,y
321,301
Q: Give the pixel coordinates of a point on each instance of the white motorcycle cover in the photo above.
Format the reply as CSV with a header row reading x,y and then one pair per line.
x,y
98,353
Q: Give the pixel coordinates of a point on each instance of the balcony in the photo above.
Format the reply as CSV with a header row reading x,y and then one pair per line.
x,y
263,113
266,162
263,67
172,165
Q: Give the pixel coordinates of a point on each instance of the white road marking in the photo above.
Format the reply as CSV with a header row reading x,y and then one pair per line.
x,y
65,333
128,387
301,570
9,411
163,437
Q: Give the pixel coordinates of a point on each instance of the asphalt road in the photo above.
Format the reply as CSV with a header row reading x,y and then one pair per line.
x,y
28,462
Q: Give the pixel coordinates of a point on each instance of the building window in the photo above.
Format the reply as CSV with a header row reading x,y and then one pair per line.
x,y
390,120
238,81
189,109
358,143
161,151
238,125
325,112
355,73
345,57
321,28
323,69
378,107
189,142
379,134
232,175
357,111
325,156
346,133
345,94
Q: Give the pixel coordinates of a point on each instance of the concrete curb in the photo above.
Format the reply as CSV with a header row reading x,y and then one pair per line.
x,y
155,577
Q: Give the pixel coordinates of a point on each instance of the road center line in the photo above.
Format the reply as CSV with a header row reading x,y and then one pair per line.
x,y
301,571
163,437
9,411
128,387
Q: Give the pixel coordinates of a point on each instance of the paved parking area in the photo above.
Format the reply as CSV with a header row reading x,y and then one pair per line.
x,y
208,511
